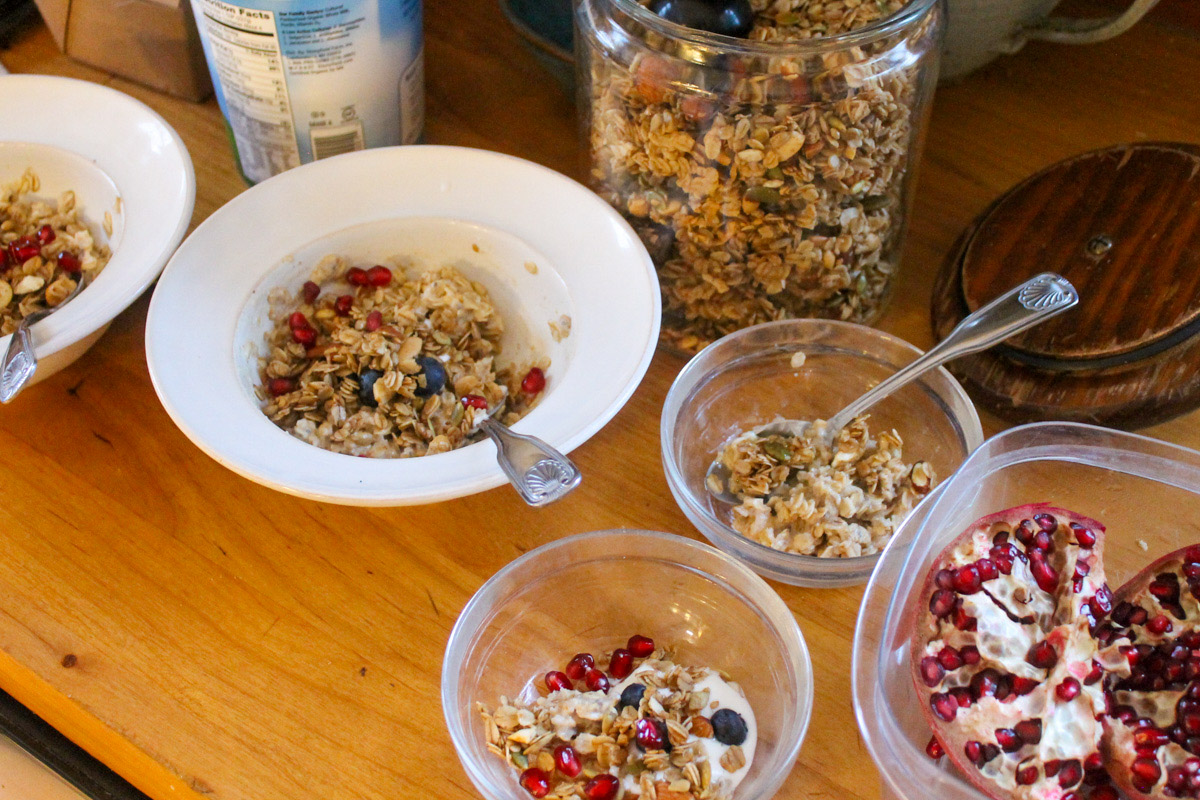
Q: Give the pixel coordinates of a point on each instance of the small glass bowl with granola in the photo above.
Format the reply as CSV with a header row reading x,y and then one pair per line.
x,y
810,512
770,175
627,664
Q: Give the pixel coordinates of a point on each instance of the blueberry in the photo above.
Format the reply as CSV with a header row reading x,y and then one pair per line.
x,y
366,387
728,726
632,696
435,377
726,17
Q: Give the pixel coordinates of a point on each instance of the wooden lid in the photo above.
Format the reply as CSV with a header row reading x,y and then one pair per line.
x,y
1123,225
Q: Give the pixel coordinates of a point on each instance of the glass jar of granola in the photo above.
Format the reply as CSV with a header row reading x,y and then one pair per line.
x,y
769,176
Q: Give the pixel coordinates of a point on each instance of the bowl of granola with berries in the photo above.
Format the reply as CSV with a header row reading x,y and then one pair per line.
x,y
691,681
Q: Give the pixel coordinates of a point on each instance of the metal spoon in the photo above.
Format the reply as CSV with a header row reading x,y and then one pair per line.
x,y
538,472
1018,310
20,360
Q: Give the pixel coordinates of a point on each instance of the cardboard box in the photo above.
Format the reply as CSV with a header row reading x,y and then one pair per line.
x,y
152,42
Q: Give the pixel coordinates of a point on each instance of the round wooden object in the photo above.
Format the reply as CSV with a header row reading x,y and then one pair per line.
x,y
1123,225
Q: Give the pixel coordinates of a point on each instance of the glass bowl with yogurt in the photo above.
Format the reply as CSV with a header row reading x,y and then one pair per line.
x,y
616,661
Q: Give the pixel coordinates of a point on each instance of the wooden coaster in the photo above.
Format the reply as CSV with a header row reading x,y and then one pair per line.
x,y
1123,225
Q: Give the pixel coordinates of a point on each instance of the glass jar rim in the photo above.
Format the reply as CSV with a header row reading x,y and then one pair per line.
x,y
817,45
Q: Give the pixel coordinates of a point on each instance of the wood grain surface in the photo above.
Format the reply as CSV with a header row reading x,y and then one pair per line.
x,y
207,637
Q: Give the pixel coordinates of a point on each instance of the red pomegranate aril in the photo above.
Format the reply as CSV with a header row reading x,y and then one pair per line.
x,y
1085,537
945,706
934,748
1159,625
932,671
962,695
1151,738
944,579
1030,730
379,275
596,681
556,681
620,664
1104,793
601,787
536,782
983,683
1191,723
46,235
1177,778
1042,541
477,402
1024,532
1042,655
578,666
310,291
640,646
973,750
24,249
651,733
1043,573
278,386
970,655
343,305
1070,774
534,381
1145,770
357,276
374,321
298,320
68,262
942,603
1046,522
964,621
1008,740
1051,767
949,659
967,580
566,760
1023,686
987,569
1068,690
305,336
1026,775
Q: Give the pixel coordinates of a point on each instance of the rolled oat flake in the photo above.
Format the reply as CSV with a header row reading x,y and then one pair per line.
x,y
302,80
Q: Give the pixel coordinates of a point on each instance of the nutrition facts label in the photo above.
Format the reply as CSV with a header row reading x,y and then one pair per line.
x,y
247,58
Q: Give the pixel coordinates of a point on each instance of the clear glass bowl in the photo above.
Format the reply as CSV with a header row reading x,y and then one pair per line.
x,y
589,593
1143,490
746,379
768,179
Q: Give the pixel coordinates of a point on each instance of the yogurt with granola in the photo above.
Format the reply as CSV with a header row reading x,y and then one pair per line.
x,y
647,726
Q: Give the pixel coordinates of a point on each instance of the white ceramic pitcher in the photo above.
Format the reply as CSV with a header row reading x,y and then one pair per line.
x,y
979,30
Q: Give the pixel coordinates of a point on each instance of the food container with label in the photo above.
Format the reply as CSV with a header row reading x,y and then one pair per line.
x,y
302,80
769,176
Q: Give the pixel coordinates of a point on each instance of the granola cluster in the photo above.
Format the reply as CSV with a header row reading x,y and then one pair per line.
x,y
842,499
768,186
605,732
45,249
367,363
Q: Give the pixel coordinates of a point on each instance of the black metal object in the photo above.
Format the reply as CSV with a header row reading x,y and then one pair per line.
x,y
60,754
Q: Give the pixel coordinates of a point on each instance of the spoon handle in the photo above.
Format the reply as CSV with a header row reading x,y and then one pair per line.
x,y
1016,311
20,359
538,472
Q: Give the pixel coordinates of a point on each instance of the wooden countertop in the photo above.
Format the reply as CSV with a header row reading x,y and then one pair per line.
x,y
205,636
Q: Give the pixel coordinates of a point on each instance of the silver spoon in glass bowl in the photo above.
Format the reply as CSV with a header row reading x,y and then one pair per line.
x,y
538,472
20,360
1016,311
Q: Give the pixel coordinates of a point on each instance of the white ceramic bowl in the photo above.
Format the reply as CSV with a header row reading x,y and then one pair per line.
x,y
118,156
421,206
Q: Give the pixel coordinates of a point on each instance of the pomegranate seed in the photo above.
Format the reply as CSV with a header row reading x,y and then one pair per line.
x,y
651,733
1085,537
1176,778
534,381
1070,774
68,262
556,681
279,386
357,276
1159,625
1046,522
1192,554
1025,532
970,655
1105,793
298,320
1026,775
987,569
1051,767
566,760
24,249
601,787
46,235
942,603
944,579
932,671
945,706
1004,690
621,663
310,292
343,305
1151,738
379,275
967,580
1023,686
1191,723
1067,690
1030,730
536,782
983,683
973,751
1138,616
578,666
374,321
1101,604
1043,573
1094,763
934,748
1042,541
964,621
1008,740
1147,770
962,696
305,336
950,659
596,681
1042,655
640,646
474,401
